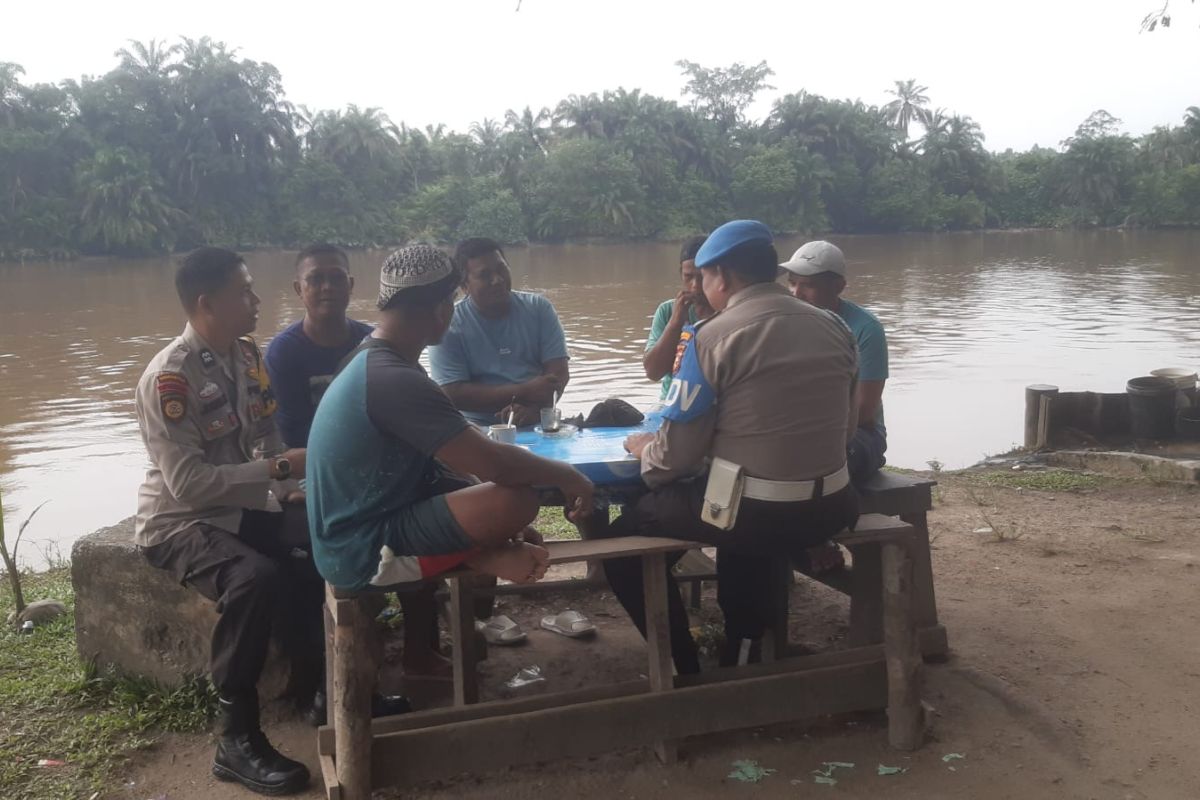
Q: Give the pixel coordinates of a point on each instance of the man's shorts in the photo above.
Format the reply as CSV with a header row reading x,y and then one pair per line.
x,y
427,528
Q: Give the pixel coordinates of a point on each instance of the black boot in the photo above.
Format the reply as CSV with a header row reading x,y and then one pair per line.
x,y
382,705
244,755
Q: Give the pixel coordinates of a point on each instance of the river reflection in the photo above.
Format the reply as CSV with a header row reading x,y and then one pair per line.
x,y
971,319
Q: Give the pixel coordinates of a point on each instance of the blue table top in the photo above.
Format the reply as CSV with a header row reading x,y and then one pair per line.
x,y
596,452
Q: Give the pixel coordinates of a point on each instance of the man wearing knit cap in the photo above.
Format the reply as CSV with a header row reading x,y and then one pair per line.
x,y
751,456
387,451
816,274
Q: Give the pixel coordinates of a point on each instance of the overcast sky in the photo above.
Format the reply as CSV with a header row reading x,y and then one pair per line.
x,y
1029,71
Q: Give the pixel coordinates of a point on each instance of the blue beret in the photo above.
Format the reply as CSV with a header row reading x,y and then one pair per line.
x,y
729,236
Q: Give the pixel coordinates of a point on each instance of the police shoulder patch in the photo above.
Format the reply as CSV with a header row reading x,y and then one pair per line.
x,y
690,394
172,394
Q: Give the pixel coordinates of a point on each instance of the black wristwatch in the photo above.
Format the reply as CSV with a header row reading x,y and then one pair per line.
x,y
283,469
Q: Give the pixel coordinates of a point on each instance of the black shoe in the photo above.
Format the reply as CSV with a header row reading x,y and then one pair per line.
x,y
245,756
382,705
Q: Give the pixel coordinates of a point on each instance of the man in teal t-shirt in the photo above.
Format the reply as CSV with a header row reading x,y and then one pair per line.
x,y
687,308
817,275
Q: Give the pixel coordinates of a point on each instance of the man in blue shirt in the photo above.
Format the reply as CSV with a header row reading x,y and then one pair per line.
x,y
304,357
388,452
816,274
302,361
688,307
505,350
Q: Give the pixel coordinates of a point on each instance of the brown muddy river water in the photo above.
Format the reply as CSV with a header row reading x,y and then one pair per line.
x,y
971,319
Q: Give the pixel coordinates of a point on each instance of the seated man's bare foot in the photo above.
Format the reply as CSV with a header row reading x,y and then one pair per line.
x,y
519,562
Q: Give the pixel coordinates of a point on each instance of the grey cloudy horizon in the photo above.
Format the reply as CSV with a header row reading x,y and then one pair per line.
x,y
1027,71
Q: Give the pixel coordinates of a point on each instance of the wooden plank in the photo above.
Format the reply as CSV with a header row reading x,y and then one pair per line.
x,y
906,719
658,639
893,494
333,789
1043,426
591,728
573,550
924,593
1033,410
866,596
434,717
462,633
874,528
350,704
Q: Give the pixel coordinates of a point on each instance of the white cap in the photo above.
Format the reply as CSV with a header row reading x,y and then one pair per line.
x,y
814,258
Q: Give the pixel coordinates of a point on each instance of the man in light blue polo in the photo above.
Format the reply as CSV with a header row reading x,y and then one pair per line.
x,y
505,350
816,274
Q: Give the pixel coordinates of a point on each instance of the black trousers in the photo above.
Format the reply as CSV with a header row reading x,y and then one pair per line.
x,y
765,534
264,583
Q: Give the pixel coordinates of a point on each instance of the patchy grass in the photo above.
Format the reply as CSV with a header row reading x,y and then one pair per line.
x,y
1043,480
54,707
553,525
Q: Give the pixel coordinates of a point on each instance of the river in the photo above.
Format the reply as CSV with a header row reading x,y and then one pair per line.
x,y
971,319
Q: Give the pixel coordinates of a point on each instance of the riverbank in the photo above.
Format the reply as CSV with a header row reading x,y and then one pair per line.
x,y
1068,598
20,256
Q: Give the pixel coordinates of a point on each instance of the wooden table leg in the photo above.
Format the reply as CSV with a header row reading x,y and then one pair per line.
x,y
350,703
596,527
933,633
658,639
906,721
462,633
866,602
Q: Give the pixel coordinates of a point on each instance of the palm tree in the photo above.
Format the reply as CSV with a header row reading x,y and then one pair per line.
x,y
124,207
529,126
909,103
147,60
359,136
488,134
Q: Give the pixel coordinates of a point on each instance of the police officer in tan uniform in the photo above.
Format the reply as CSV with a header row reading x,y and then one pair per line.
x,y
220,507
751,456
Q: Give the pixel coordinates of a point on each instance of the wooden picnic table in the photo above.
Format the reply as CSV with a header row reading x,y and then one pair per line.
x,y
358,753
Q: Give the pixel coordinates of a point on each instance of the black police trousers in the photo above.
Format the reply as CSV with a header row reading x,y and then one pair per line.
x,y
264,583
765,533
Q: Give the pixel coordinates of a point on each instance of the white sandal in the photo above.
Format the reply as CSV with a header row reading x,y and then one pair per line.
x,y
571,624
500,630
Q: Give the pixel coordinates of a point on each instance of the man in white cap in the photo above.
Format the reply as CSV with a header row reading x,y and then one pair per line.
x,y
816,274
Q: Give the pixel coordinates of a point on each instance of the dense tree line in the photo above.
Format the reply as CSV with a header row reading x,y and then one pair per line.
x,y
192,143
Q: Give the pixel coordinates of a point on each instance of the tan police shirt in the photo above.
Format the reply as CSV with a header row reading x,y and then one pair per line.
x,y
767,383
206,420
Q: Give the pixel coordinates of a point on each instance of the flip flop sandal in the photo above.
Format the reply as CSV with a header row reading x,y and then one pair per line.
x,y
571,624
500,630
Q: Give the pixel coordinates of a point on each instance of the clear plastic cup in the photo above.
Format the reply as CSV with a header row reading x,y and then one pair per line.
x,y
551,419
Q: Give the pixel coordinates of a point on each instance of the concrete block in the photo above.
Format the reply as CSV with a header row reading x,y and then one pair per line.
x,y
138,620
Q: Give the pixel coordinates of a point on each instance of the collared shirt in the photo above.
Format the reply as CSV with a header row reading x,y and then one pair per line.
x,y
206,419
767,383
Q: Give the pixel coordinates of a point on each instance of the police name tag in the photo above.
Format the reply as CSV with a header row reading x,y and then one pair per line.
x,y
723,494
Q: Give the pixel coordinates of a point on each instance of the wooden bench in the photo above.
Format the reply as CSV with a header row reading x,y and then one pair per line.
x,y
357,753
890,494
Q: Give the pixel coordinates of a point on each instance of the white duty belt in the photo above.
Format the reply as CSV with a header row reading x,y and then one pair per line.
x,y
795,491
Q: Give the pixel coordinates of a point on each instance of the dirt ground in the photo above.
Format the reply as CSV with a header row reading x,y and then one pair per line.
x,y
1074,673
